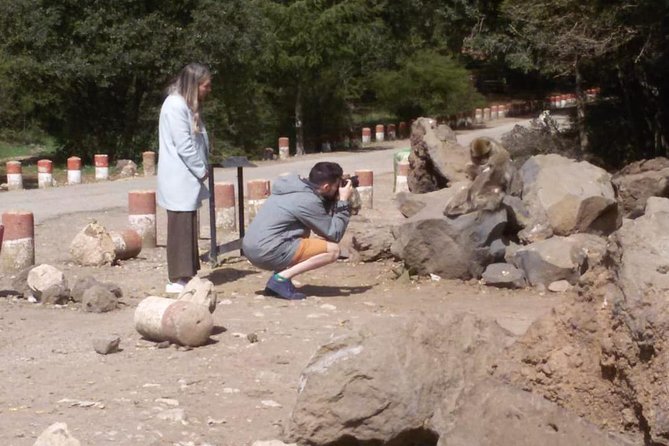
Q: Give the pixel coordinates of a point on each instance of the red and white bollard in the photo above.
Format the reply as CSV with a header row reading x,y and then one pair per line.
x,y
44,174
494,112
14,175
284,148
224,202
178,321
392,135
142,215
401,184
18,242
366,135
478,116
149,163
257,193
486,114
380,133
101,162
127,243
563,101
366,188
501,114
74,170
402,130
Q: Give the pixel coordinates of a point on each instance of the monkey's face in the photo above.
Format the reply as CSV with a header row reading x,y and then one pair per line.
x,y
479,160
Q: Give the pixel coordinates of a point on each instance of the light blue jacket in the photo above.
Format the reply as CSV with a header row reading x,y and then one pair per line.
x,y
289,214
182,157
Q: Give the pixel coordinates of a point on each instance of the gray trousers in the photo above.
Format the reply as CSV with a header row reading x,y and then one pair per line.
x,y
183,259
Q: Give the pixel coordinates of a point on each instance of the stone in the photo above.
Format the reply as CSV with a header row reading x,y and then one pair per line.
x,y
176,415
434,162
559,286
550,260
93,246
519,215
57,294
200,291
594,247
98,299
655,205
45,276
372,243
571,196
503,275
56,435
384,382
126,168
453,248
106,345
409,204
84,283
641,180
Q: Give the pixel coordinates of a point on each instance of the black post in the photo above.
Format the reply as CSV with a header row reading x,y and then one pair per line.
x,y
240,200
213,251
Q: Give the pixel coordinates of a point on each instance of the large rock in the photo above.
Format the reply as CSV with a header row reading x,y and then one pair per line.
x,y
383,383
453,248
409,204
56,435
372,243
549,260
200,291
84,283
503,275
93,246
571,196
126,168
640,180
436,160
42,277
98,299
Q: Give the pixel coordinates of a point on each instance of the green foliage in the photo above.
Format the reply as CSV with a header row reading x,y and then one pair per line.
x,y
427,84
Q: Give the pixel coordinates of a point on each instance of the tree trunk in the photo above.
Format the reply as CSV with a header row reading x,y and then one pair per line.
x,y
299,132
580,109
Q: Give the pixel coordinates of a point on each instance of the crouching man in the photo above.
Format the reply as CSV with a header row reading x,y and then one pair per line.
x,y
278,237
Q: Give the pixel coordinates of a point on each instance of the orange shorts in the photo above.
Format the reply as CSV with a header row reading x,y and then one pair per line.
x,y
308,248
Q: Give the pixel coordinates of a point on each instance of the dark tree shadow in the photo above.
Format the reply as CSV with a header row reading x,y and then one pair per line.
x,y
226,275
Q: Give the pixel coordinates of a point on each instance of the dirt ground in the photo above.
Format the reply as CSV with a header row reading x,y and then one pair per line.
x,y
230,392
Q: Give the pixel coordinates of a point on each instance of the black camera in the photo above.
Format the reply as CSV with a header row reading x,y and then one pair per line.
x,y
354,181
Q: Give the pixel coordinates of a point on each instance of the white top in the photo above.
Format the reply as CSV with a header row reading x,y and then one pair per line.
x,y
182,157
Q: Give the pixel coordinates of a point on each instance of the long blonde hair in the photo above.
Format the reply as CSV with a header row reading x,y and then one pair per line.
x,y
186,84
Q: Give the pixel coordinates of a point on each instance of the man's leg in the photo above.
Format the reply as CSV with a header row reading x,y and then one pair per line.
x,y
314,262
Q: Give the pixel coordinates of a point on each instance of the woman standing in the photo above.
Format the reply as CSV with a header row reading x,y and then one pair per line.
x,y
182,170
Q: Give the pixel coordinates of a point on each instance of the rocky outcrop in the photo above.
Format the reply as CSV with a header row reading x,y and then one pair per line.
x,y
640,180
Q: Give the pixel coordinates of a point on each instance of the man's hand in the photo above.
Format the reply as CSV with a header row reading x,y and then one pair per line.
x,y
346,191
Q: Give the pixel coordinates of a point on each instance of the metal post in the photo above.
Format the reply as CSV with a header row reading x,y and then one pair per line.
x,y
213,252
240,203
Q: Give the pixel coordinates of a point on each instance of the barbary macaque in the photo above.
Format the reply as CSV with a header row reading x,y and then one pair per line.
x,y
491,173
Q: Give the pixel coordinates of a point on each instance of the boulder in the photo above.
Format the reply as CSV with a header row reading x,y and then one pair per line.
x,y
593,246
126,168
93,246
56,435
436,160
503,275
640,180
372,243
57,294
409,204
42,277
453,248
655,205
550,260
382,384
200,291
84,283
98,299
571,196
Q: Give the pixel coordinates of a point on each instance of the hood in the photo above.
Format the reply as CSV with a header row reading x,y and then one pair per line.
x,y
290,184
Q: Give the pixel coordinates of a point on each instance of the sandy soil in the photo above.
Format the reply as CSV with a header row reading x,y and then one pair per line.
x,y
230,392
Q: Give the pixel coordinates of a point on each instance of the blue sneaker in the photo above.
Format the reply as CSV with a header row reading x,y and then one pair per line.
x,y
283,289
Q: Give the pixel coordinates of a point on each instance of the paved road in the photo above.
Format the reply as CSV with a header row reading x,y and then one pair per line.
x,y
96,197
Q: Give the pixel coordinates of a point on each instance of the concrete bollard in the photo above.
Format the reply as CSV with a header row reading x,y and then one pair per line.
x,y
14,175
380,133
366,188
402,130
563,101
284,148
478,116
142,215
149,163
486,114
392,134
257,193
366,135
501,113
494,112
101,162
74,170
401,184
44,174
226,216
127,243
18,243
177,321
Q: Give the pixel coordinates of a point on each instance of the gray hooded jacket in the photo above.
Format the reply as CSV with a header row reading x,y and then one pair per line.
x,y
293,210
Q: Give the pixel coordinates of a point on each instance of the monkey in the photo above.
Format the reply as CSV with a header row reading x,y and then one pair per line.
x,y
491,173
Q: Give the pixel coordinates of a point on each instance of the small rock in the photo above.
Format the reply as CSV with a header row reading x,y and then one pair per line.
x,y
98,299
270,403
503,275
167,401
174,415
164,344
57,294
211,421
559,286
56,435
252,337
328,307
106,345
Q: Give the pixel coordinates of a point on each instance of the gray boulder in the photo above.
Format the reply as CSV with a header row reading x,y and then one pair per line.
x,y
98,299
503,275
57,294
640,180
126,168
409,204
84,283
383,383
571,196
550,260
372,243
